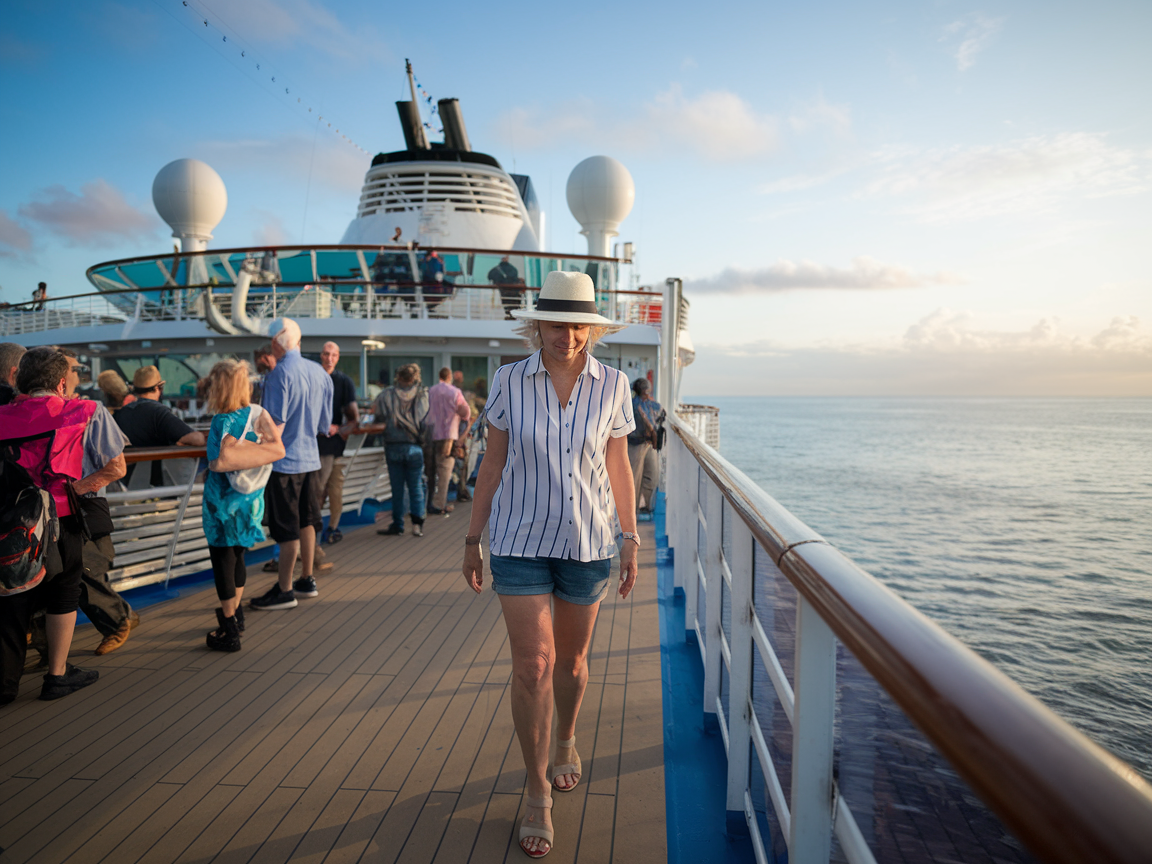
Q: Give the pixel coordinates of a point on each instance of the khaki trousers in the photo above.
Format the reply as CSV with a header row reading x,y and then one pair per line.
x,y
332,489
442,456
645,464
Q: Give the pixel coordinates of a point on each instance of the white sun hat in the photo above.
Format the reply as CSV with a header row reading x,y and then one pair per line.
x,y
568,297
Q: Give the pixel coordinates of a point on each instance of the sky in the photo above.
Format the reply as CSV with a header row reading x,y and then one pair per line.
x,y
892,198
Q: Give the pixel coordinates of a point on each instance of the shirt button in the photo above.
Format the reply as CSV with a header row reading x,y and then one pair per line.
x,y
569,497
569,450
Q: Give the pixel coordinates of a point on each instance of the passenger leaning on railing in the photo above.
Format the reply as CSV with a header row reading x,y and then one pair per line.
x,y
109,613
50,432
234,507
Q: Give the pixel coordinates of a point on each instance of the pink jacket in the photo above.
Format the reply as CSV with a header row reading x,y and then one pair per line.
x,y
54,453
446,408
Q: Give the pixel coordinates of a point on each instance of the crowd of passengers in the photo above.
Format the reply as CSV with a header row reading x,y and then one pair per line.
x,y
272,452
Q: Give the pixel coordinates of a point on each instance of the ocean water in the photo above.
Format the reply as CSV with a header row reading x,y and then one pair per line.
x,y
1022,526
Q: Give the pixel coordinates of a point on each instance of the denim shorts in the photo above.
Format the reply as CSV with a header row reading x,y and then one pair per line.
x,y
579,582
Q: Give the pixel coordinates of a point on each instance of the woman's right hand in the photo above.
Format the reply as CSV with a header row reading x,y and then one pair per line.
x,y
474,567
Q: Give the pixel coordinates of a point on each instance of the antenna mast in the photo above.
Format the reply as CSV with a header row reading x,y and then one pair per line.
x,y
423,140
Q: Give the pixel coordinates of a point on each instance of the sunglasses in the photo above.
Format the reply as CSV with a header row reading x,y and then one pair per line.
x,y
80,368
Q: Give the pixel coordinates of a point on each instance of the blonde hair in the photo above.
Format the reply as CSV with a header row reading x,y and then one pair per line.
x,y
529,331
228,388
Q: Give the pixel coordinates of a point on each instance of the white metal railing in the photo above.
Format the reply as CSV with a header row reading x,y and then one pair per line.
x,y
159,532
1032,769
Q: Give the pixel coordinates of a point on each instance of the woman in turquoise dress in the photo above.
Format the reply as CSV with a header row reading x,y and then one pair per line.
x,y
232,518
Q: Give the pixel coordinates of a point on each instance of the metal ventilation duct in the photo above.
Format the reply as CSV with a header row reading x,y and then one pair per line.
x,y
413,128
455,135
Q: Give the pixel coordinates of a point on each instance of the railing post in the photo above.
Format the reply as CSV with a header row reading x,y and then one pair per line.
x,y
176,528
713,600
678,505
812,737
740,675
689,493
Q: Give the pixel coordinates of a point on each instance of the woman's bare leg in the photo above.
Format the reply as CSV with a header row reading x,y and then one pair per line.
x,y
529,621
572,627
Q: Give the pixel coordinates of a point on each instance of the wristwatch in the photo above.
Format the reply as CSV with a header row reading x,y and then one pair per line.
x,y
628,535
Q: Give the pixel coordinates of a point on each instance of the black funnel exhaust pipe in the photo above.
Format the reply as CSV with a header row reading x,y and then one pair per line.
x,y
455,135
413,129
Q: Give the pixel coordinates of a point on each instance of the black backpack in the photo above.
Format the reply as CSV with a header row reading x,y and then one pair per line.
x,y
29,526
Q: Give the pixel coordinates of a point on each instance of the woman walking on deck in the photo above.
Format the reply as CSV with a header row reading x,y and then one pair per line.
x,y
555,469
234,505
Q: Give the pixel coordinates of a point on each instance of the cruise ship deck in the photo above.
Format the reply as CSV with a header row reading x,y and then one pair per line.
x,y
371,723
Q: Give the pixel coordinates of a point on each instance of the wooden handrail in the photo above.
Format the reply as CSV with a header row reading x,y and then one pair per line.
x,y
1064,796
151,454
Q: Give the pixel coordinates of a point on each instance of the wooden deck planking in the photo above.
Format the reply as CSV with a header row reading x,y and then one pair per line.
x,y
372,723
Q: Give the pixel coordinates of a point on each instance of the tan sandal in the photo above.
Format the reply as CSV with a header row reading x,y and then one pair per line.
x,y
567,767
531,829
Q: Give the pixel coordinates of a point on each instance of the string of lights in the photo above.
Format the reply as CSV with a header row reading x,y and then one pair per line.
x,y
212,29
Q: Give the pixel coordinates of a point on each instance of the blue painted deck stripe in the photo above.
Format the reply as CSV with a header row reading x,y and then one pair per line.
x,y
695,764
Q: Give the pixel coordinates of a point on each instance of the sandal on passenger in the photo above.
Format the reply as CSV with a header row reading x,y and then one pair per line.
x,y
530,829
567,767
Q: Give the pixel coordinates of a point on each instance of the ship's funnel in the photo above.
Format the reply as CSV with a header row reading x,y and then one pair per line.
x,y
455,135
413,128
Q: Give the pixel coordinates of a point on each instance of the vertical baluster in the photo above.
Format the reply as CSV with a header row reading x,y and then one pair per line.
x,y
679,501
812,737
714,584
740,675
689,525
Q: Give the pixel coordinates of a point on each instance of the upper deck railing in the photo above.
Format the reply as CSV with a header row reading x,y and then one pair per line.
x,y
359,282
765,592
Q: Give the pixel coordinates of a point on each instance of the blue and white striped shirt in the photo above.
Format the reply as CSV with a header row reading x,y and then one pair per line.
x,y
554,498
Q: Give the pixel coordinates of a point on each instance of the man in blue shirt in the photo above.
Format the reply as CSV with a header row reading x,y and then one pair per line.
x,y
297,393
643,443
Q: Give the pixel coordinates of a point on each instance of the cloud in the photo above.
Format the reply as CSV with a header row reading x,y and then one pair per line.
x,y
326,159
299,24
940,355
821,114
971,35
865,274
717,125
1026,175
98,216
271,231
15,241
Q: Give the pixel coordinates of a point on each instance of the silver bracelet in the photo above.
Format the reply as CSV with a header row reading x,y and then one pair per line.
x,y
628,535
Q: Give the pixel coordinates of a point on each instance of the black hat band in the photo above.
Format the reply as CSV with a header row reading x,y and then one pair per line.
x,y
587,307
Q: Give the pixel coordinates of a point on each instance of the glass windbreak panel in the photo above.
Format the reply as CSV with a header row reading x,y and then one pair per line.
x,y
338,265
296,267
143,274
382,370
475,371
908,801
775,602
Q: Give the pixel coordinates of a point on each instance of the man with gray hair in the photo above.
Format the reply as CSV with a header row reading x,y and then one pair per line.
x,y
331,443
298,394
10,354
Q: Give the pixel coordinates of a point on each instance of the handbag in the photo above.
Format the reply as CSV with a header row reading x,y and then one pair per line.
x,y
249,480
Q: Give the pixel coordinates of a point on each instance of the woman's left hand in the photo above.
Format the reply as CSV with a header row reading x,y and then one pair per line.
x,y
629,567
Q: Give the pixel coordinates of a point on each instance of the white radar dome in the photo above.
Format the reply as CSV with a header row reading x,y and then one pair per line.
x,y
191,198
600,195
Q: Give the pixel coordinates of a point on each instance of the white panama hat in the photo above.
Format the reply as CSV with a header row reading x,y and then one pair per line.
x,y
568,297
